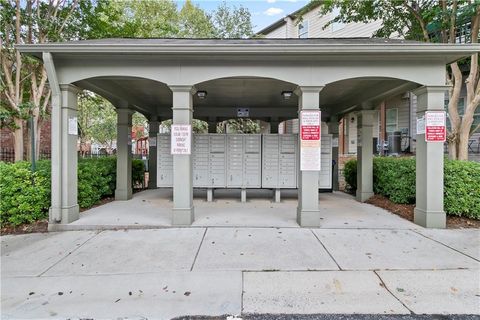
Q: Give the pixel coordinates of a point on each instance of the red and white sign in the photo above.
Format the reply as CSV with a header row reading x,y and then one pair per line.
x,y
181,135
435,126
310,140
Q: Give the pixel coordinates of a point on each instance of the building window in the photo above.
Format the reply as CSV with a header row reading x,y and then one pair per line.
x,y
336,25
391,122
303,29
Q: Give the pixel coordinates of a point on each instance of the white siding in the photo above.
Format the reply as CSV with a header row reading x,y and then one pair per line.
x,y
316,24
280,32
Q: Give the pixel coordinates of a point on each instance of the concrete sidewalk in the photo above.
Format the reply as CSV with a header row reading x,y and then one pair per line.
x,y
164,273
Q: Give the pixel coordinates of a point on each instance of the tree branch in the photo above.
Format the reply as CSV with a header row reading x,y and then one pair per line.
x,y
420,20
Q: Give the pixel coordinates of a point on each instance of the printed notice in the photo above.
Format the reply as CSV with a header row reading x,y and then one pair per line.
x,y
421,125
435,126
181,135
73,126
310,153
152,141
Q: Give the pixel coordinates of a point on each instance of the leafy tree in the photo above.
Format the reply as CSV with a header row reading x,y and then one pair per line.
x,y
25,90
194,22
232,22
429,21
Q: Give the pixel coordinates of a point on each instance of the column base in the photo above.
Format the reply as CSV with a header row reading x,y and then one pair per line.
x,y
363,196
123,194
67,214
430,219
308,218
183,216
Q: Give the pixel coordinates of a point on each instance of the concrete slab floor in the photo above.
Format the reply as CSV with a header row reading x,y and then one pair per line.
x,y
33,254
129,296
317,292
153,209
130,251
102,269
466,241
389,249
437,292
262,249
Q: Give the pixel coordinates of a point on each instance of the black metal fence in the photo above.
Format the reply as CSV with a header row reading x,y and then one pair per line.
x,y
8,154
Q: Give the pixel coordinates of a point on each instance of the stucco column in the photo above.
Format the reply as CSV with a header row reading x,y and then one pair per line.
x,y
308,213
124,154
64,207
183,211
333,130
365,154
153,129
429,210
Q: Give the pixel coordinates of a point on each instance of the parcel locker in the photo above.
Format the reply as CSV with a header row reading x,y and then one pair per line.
x,y
201,157
217,159
164,161
325,174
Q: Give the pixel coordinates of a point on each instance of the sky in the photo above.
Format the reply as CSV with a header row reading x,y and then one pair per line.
x,y
264,12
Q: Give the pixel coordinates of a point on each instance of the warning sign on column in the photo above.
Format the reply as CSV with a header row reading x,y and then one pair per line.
x,y
310,140
181,139
435,126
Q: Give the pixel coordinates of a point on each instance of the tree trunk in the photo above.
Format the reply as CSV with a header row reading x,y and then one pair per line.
x,y
452,150
464,134
18,140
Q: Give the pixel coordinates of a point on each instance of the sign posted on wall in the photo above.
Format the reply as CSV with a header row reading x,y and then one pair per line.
x,y
310,140
181,139
435,126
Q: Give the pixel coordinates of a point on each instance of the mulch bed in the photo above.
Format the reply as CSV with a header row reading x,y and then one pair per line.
x,y
406,211
37,226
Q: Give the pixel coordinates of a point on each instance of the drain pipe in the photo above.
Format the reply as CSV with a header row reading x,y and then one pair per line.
x,y
56,136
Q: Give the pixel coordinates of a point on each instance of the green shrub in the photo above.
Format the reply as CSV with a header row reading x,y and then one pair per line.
x,y
350,174
395,179
462,188
25,196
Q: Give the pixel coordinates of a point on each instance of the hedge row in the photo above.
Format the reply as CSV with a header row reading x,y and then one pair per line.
x,y
25,195
394,178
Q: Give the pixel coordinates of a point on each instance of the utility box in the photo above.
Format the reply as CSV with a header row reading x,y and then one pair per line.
x,y
325,174
279,161
243,161
164,161
209,161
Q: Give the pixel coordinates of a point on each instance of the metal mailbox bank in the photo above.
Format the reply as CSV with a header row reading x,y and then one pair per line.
x,y
242,161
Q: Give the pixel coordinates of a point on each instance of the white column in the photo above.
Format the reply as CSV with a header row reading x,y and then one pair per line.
x,y
124,154
64,207
429,211
333,130
365,154
153,128
308,213
183,210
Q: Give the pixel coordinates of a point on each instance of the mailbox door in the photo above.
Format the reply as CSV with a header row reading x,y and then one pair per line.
x,y
270,161
164,161
325,174
217,168
235,160
252,161
288,161
200,160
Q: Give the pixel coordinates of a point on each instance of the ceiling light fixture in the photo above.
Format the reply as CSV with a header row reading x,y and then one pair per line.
x,y
287,94
202,94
